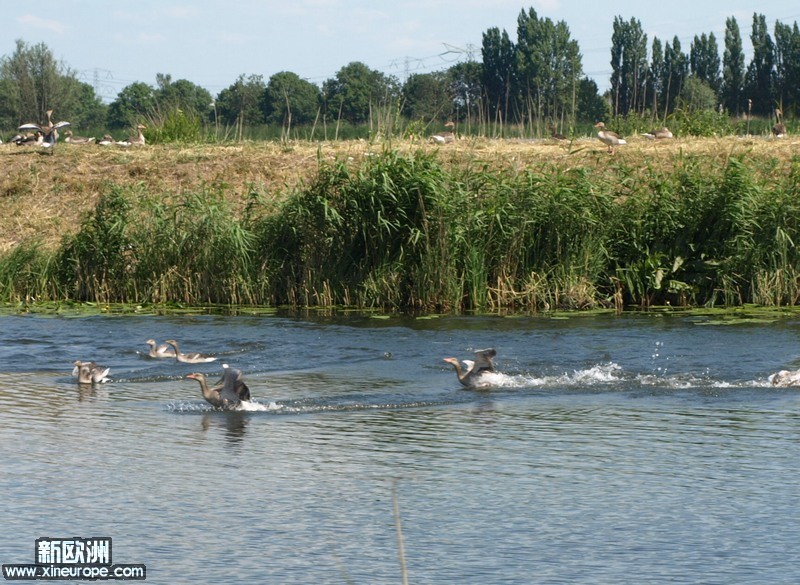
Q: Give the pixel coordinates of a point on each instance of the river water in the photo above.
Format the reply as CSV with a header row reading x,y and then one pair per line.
x,y
616,449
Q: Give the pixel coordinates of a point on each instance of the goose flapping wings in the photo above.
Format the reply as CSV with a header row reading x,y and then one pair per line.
x,y
475,368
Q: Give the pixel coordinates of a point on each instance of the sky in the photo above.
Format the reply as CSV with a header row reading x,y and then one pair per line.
x,y
113,43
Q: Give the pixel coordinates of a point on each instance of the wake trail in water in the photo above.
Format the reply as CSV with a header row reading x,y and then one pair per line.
x,y
609,376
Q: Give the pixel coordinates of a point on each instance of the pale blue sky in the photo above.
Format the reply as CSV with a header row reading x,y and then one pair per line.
x,y
211,42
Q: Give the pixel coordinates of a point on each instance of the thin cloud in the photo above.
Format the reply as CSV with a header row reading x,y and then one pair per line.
x,y
42,23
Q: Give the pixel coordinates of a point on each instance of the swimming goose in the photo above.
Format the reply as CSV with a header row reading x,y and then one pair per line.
x,y
159,351
72,139
90,372
607,137
189,358
228,393
785,378
662,133
49,131
471,377
779,129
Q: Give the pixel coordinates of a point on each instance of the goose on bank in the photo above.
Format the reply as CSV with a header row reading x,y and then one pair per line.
x,y
475,370
228,393
49,130
90,372
72,139
189,358
137,140
607,137
779,129
662,133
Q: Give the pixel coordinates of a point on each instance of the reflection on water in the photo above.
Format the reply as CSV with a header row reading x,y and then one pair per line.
x,y
616,450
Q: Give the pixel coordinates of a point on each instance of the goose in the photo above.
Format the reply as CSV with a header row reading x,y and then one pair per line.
x,y
137,140
779,129
555,135
90,372
662,133
189,358
785,378
69,137
607,137
471,377
106,140
27,139
159,351
445,137
49,131
228,393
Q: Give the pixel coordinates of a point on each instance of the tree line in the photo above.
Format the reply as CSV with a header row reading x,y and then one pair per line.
x,y
530,82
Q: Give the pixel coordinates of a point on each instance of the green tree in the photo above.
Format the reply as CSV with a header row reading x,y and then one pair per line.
x,y
676,70
628,66
465,91
182,95
426,97
549,66
288,100
135,103
241,104
787,67
760,71
655,78
90,111
357,92
733,68
499,77
592,107
704,62
697,96
32,81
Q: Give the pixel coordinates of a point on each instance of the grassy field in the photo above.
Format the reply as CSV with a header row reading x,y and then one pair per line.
x,y
476,224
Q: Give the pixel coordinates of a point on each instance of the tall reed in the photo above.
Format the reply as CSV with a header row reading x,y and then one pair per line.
x,y
410,231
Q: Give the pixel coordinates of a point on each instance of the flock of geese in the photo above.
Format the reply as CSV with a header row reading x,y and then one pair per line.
x,y
231,391
607,137
612,139
46,135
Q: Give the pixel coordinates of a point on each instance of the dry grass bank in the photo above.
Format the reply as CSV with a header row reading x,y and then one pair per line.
x,y
45,196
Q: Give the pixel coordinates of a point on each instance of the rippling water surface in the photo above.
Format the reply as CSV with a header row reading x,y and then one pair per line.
x,y
633,449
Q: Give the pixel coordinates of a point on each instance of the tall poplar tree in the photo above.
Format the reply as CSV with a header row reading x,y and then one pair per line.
x,y
761,69
704,61
787,67
733,68
628,66
549,66
655,79
676,69
499,78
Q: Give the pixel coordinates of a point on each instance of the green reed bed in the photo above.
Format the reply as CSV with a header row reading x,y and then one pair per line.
x,y
407,231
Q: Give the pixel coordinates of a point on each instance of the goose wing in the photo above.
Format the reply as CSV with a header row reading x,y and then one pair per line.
x,y
233,387
483,361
